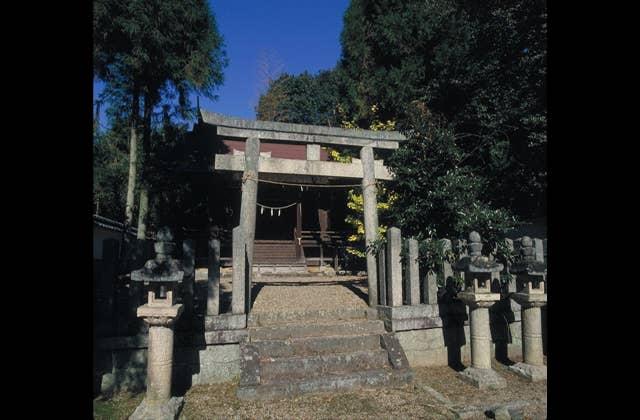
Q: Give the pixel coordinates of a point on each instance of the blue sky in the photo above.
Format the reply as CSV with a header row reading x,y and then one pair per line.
x,y
293,35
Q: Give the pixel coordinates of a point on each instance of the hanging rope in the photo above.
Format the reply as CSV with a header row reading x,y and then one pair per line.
x,y
278,208
293,184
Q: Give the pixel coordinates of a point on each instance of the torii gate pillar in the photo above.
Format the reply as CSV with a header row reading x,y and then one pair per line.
x,y
370,219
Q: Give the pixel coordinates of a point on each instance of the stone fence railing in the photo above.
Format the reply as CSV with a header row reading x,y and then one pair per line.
x,y
399,279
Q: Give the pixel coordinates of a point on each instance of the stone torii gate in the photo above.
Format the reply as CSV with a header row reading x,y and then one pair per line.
x,y
254,166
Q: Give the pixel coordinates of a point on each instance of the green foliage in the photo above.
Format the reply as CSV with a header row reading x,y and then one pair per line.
x,y
158,44
437,197
303,99
110,171
481,66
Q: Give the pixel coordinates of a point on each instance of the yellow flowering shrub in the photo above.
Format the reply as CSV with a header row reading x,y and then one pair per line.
x,y
355,199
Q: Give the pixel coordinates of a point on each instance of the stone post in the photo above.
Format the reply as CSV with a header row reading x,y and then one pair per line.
x,y
411,274
511,286
382,273
249,199
539,249
213,280
313,152
160,312
394,266
239,273
531,297
370,218
478,271
430,285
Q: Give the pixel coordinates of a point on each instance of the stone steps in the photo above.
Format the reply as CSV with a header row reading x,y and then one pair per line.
x,y
257,319
317,345
294,352
290,331
329,383
274,369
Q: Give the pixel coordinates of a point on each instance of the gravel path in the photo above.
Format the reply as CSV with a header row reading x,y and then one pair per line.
x,y
309,293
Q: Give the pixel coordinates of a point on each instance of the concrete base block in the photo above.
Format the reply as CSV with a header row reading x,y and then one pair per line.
x,y
530,372
482,378
166,410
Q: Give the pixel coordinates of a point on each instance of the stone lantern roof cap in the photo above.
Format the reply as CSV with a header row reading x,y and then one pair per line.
x,y
476,262
533,268
163,268
527,262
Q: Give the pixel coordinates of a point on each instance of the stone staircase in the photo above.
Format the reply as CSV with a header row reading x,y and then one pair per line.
x,y
291,353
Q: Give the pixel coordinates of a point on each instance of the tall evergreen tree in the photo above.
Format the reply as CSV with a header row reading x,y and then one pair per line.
x,y
481,66
153,49
303,99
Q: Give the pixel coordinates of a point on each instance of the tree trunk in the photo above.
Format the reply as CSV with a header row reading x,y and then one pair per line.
x,y
144,188
144,208
133,146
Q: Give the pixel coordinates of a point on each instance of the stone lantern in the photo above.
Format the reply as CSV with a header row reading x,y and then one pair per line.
x,y
478,271
530,276
161,277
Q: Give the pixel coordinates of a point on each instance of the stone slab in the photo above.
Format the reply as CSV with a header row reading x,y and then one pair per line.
x,y
530,372
225,322
482,378
318,345
160,311
330,383
300,367
250,368
168,410
396,355
412,317
256,319
284,332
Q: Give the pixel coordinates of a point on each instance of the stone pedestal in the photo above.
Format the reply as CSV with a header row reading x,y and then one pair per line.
x,y
480,373
479,270
530,270
531,300
158,403
162,275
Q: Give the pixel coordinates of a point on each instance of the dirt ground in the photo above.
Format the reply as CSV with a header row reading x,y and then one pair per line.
x,y
436,393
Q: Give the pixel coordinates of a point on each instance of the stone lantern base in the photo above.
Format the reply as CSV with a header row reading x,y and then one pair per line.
x,y
165,410
530,372
482,378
